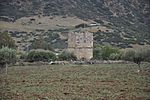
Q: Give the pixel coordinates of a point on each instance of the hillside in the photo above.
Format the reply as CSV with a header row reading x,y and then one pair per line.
x,y
120,22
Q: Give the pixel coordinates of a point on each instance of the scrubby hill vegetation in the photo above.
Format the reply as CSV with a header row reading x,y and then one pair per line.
x,y
121,23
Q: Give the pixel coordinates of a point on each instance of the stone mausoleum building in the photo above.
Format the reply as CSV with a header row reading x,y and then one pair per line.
x,y
81,44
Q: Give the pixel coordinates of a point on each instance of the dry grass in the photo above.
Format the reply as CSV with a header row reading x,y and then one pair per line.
x,y
45,23
76,82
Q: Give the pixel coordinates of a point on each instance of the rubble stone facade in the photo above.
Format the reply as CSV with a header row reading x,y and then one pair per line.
x,y
81,44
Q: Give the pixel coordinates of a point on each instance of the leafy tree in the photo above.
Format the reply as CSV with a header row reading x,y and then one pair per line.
x,y
108,50
97,52
6,40
142,55
115,56
138,60
40,55
146,54
67,56
7,56
137,56
23,56
128,55
106,53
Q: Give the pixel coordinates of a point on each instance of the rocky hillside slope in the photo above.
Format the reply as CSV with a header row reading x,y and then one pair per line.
x,y
129,19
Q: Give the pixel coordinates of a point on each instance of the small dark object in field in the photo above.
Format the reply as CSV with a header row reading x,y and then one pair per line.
x,y
23,80
66,93
138,61
61,80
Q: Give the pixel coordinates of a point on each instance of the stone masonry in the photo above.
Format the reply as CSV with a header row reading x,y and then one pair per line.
x,y
81,44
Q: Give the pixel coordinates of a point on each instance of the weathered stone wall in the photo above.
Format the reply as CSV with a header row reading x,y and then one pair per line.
x,y
81,44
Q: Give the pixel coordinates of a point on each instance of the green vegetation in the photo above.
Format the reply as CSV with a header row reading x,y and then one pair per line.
x,y
7,56
23,56
106,53
6,40
81,82
131,54
146,54
102,52
40,55
122,30
67,56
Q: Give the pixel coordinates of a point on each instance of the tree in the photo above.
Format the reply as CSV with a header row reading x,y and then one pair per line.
x,y
128,55
136,56
108,50
6,40
143,54
146,54
97,52
7,56
67,56
40,55
115,56
106,53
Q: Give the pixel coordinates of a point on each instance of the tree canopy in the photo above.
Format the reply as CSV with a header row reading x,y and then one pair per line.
x,y
6,40
7,55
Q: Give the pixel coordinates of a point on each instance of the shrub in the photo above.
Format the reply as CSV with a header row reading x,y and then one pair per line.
x,y
141,54
97,53
108,50
6,41
67,56
128,55
40,55
7,56
115,56
146,54
23,56
106,53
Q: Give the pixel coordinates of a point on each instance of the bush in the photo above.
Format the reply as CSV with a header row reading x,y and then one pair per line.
x,y
106,53
108,50
7,56
6,41
142,54
67,56
23,56
115,56
97,53
40,55
146,54
128,55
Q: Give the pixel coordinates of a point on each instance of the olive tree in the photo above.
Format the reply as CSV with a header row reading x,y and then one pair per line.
x,y
137,56
67,56
7,56
6,40
40,55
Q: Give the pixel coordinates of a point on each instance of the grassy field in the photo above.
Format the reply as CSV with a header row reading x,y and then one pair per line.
x,y
76,82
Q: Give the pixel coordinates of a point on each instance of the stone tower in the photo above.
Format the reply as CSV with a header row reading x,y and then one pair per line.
x,y
81,44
